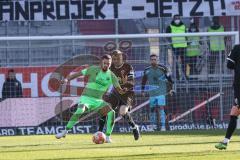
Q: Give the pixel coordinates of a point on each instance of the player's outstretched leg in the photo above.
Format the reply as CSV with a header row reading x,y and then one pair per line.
x,y
231,128
101,123
110,125
134,127
124,112
73,120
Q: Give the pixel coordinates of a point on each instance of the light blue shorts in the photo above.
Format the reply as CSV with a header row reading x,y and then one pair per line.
x,y
157,101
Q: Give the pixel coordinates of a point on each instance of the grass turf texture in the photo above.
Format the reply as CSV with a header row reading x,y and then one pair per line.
x,y
187,145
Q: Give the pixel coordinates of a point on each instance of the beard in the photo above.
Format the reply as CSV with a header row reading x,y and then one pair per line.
x,y
104,69
154,64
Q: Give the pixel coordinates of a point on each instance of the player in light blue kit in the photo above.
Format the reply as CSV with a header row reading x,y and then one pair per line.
x,y
156,75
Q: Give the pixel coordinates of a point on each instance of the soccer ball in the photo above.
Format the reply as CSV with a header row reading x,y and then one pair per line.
x,y
99,137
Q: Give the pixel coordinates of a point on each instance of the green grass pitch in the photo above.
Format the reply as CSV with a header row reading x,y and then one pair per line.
x,y
187,145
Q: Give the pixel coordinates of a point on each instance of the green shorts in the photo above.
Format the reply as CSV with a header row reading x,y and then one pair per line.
x,y
92,103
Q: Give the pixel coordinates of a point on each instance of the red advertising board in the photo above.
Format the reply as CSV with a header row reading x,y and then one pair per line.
x,y
36,82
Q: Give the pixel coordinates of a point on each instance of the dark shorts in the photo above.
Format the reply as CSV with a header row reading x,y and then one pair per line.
x,y
117,100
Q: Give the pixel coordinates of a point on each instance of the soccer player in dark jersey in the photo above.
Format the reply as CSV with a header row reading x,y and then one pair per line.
x,y
233,63
122,103
100,78
155,75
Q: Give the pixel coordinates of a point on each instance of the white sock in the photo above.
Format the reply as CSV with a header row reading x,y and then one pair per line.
x,y
135,127
65,131
226,140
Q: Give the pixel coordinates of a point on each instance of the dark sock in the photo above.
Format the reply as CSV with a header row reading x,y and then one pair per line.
x,y
231,126
101,123
129,119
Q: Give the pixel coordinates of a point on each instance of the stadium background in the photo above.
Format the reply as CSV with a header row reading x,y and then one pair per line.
x,y
40,110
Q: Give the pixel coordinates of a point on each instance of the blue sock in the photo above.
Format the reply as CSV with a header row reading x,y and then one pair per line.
x,y
163,117
152,118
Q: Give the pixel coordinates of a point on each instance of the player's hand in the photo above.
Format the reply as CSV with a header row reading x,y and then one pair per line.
x,y
121,90
143,94
236,101
125,90
64,81
172,92
124,78
238,106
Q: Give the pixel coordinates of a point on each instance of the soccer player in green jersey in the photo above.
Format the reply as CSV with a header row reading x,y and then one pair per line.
x,y
100,78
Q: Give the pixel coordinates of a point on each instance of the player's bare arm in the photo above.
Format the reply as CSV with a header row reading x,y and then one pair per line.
x,y
71,77
126,79
121,90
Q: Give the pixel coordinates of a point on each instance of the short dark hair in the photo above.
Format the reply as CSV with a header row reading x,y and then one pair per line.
x,y
117,52
176,15
106,56
215,19
153,55
10,70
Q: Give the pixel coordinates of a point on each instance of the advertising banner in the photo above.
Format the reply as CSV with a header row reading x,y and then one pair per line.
x,y
27,10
